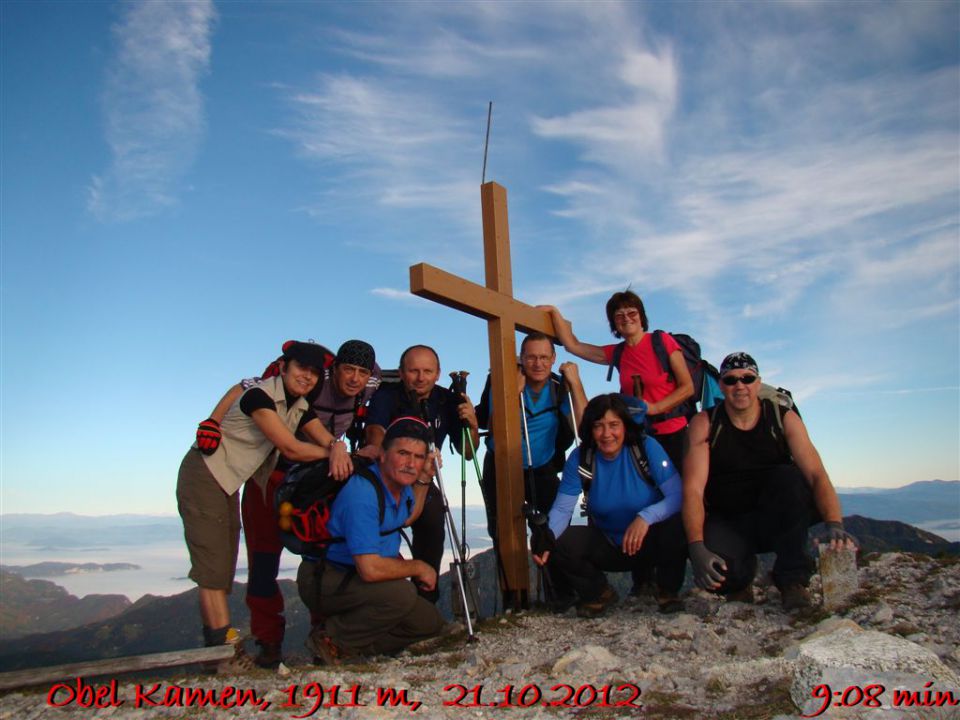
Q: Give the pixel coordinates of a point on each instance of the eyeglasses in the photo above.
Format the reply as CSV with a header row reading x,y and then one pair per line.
x,y
533,359
626,315
730,380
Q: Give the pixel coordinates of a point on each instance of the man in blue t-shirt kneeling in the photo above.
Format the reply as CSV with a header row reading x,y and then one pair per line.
x,y
370,604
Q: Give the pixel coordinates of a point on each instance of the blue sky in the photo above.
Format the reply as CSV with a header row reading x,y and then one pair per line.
x,y
187,185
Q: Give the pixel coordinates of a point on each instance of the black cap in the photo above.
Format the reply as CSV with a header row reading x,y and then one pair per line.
x,y
307,354
407,427
356,352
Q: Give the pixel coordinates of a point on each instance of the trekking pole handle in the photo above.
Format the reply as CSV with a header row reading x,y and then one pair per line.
x,y
459,381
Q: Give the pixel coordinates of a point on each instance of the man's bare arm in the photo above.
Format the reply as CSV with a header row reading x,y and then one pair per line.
x,y
696,467
376,568
807,458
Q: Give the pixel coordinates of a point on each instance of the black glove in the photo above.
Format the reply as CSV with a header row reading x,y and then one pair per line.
x,y
833,532
542,539
706,565
208,436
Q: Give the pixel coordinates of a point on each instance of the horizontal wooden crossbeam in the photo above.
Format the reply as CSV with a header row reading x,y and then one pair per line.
x,y
432,283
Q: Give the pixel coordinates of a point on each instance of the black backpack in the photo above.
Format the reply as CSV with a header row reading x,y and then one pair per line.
x,y
588,465
701,372
304,501
565,436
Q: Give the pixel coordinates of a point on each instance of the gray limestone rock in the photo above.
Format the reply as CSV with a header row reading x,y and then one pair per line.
x,y
847,657
838,576
589,660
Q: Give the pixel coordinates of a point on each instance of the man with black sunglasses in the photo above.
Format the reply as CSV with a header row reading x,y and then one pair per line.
x,y
753,482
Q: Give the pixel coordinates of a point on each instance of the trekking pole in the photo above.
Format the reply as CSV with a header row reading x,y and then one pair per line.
x,y
573,413
458,563
531,510
458,385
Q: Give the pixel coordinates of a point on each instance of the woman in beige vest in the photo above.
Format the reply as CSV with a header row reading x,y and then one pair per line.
x,y
259,427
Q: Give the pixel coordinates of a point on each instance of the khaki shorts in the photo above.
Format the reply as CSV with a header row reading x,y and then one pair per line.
x,y
211,524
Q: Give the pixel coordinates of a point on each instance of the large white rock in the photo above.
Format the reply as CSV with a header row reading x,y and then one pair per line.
x,y
850,657
587,661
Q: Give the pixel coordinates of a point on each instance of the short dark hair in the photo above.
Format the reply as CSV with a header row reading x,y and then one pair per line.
x,y
625,299
597,408
533,337
403,355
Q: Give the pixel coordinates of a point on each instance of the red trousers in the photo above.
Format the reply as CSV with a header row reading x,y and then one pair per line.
x,y
261,535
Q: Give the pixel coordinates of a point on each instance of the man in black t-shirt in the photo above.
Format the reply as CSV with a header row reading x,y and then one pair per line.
x,y
753,482
418,394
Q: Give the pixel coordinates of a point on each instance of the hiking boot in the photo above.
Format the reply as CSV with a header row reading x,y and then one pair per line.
x,y
594,608
269,656
239,664
745,595
325,651
669,603
561,603
795,597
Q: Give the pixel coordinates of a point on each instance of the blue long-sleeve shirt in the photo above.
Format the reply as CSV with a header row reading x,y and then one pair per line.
x,y
618,493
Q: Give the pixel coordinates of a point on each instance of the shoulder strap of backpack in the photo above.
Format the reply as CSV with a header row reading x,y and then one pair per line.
x,y
615,359
365,472
585,469
660,351
775,412
640,462
716,423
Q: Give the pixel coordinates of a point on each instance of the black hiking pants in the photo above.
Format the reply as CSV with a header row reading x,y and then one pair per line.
x,y
541,495
583,553
429,531
776,520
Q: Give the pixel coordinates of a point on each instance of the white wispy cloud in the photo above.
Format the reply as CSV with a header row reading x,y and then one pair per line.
x,y
395,294
388,146
762,167
632,131
153,106
807,180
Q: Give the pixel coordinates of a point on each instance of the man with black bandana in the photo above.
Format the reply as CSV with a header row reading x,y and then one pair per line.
x,y
753,482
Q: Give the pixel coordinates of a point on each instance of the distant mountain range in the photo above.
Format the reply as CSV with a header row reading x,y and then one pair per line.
x,y
42,624
116,628
56,569
37,606
919,502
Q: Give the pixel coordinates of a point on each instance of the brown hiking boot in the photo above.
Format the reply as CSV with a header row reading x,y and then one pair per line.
x,y
745,595
269,656
594,608
795,597
669,603
325,651
239,664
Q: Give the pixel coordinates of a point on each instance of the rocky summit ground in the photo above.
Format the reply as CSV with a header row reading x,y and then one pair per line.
x,y
715,660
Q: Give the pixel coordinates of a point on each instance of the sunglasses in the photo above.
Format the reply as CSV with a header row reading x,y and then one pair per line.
x,y
730,380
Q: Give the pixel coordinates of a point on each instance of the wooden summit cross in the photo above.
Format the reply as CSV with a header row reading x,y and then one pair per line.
x,y
495,304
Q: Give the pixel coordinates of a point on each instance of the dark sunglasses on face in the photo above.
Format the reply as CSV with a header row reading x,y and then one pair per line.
x,y
730,380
